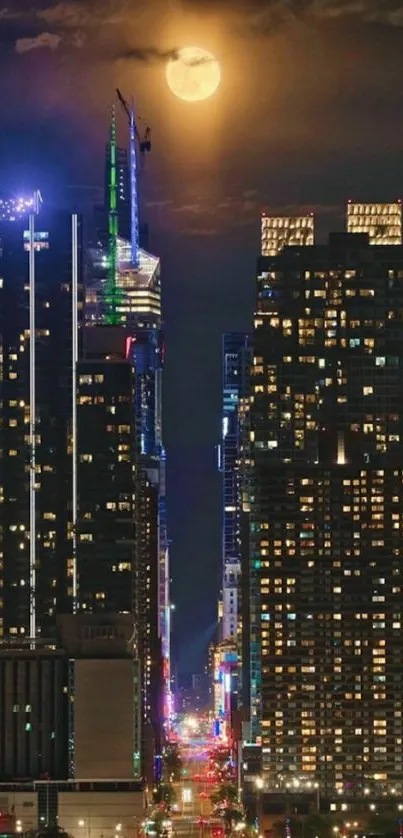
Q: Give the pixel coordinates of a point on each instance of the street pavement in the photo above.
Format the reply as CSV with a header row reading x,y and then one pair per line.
x,y
193,818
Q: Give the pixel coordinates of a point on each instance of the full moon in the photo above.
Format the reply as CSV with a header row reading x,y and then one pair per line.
x,y
194,74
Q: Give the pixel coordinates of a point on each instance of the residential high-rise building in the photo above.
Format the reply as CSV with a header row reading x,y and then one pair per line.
x,y
382,222
236,356
279,231
40,307
326,505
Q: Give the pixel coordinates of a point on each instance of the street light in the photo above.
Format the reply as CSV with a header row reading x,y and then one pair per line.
x,y
259,782
83,823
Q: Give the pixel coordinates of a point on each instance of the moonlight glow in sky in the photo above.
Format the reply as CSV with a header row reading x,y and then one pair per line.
x,y
194,75
311,113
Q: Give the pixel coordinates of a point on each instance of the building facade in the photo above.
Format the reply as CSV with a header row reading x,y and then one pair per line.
x,y
106,473
382,222
236,355
104,700
133,283
326,425
40,307
34,709
147,608
281,231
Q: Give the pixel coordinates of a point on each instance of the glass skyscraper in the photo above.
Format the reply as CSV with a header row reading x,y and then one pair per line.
x,y
236,354
40,307
132,279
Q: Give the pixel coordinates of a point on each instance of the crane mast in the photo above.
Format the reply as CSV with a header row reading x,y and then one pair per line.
x,y
135,237
144,146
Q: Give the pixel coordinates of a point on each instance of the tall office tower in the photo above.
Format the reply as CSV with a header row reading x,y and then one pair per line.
x,y
149,636
40,270
382,222
236,356
279,231
107,564
125,287
145,350
326,426
244,586
106,473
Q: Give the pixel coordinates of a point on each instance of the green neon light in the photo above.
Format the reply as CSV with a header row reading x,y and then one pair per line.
x,y
113,293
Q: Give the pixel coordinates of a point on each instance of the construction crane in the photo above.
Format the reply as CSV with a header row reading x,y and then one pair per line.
x,y
144,145
144,142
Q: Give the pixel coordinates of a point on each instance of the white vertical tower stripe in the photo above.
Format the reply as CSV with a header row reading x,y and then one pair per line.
x,y
32,429
74,360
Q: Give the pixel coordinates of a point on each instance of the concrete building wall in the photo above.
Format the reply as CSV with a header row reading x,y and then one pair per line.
x,y
101,814
23,805
104,719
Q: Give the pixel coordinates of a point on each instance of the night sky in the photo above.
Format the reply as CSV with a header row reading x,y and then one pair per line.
x,y
309,113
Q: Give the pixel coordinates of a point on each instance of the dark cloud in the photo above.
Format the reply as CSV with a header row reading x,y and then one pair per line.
x,y
77,20
152,55
147,55
265,15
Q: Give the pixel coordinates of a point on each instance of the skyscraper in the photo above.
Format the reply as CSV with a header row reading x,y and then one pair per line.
x,y
125,289
326,425
109,572
40,269
106,473
382,222
236,354
279,231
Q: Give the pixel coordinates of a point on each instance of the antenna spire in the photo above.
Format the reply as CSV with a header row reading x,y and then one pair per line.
x,y
112,290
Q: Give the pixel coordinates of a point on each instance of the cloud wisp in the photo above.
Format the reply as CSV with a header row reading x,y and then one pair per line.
x,y
72,23
264,16
45,40
148,55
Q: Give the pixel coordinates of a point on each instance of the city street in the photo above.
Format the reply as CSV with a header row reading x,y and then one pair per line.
x,y
193,817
